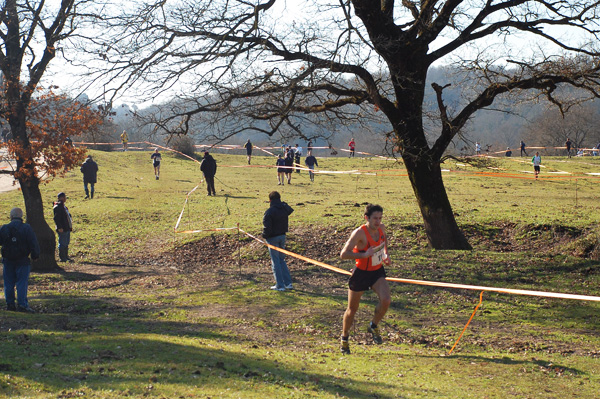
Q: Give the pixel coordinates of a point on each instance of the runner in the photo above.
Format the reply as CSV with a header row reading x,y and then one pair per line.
x,y
537,161
351,147
124,140
156,158
280,170
368,245
248,147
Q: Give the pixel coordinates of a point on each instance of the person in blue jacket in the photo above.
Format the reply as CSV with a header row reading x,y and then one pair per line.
x,y
18,243
275,225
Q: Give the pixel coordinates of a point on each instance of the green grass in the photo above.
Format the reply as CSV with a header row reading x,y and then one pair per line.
x,y
145,312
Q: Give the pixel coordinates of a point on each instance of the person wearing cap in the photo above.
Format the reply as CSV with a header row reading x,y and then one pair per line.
x,y
64,226
90,173
208,166
18,243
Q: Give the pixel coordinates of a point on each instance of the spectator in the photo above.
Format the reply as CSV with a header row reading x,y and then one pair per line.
x,y
289,163
90,172
248,147
477,148
18,242
275,222
64,226
309,147
508,152
208,166
568,146
522,145
311,161
297,155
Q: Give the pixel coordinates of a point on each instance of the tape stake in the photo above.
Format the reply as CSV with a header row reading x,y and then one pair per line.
x,y
468,322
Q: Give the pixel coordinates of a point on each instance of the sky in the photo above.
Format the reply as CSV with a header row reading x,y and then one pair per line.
x,y
286,13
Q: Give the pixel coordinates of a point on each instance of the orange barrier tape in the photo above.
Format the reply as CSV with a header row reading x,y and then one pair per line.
x,y
439,284
172,150
295,255
468,322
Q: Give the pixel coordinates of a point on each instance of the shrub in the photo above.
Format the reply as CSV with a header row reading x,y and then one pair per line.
x,y
185,145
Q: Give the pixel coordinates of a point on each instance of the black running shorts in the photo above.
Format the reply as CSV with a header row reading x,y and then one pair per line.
x,y
362,280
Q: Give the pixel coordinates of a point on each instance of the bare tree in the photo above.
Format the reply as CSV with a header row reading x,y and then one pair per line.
x,y
30,34
551,129
350,60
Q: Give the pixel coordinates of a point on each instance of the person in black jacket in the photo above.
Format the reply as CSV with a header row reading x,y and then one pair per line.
x,y
275,222
289,163
311,161
208,166
64,226
18,242
90,171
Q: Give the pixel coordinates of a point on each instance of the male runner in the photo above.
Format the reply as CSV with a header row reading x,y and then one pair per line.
x,y
368,245
156,158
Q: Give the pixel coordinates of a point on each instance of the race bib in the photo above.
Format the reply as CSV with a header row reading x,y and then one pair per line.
x,y
379,256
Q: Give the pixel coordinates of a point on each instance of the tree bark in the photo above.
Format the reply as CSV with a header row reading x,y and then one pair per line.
x,y
34,208
440,225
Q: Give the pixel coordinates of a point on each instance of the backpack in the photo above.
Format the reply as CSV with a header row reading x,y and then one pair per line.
x,y
14,245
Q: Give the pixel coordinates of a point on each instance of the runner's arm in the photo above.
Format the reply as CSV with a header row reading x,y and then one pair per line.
x,y
387,260
355,239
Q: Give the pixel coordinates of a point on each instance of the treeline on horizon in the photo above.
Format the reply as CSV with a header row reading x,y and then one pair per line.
x,y
508,121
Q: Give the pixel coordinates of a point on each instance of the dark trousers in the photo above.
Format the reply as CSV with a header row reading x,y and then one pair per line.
x,y
210,184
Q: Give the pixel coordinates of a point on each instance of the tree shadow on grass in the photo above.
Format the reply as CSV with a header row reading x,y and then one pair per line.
x,y
145,354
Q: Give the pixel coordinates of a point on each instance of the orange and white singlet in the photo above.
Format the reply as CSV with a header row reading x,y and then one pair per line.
x,y
376,261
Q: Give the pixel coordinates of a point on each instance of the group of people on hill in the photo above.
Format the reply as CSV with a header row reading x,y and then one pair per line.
x,y
568,147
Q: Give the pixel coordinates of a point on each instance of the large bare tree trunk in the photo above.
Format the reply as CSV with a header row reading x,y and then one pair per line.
x,y
34,208
440,225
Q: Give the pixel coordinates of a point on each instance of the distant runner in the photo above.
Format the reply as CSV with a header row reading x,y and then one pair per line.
x,y
156,158
368,245
248,147
537,161
124,140
352,146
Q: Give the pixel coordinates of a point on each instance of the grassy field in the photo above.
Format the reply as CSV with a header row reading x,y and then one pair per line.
x,y
146,312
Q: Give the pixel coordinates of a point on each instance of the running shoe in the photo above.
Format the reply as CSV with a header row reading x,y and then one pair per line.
x,y
375,333
289,287
275,288
345,348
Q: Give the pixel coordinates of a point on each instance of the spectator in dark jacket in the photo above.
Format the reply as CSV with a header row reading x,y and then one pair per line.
x,y
64,226
275,222
18,242
90,173
208,166
311,161
289,162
